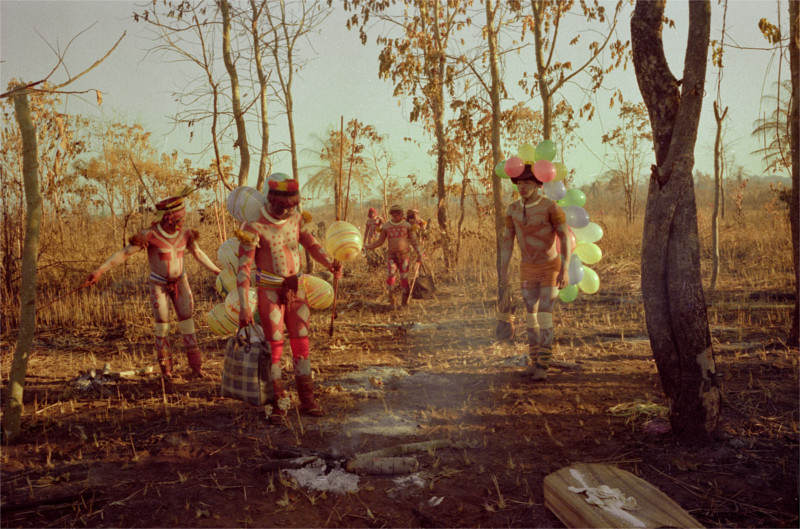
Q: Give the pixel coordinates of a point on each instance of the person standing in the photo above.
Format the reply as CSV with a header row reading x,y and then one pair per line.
x,y
166,241
272,243
535,222
371,231
400,239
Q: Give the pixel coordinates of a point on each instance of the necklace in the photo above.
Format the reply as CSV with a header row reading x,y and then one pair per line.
x,y
535,202
165,234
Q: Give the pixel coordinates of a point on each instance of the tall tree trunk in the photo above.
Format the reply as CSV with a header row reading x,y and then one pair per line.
x,y
538,7
504,329
262,95
675,306
717,195
794,138
12,415
236,99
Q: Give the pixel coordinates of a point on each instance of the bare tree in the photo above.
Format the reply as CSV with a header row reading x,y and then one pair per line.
x,y
719,117
674,303
12,412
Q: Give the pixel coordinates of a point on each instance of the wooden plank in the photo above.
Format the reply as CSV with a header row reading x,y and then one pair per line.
x,y
655,509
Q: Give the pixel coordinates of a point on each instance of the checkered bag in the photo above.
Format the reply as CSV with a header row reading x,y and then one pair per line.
x,y
246,373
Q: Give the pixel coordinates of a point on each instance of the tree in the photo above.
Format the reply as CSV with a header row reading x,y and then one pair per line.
x,y
672,290
12,412
794,138
718,192
630,141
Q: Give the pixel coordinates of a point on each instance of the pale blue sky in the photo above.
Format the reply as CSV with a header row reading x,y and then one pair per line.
x,y
342,80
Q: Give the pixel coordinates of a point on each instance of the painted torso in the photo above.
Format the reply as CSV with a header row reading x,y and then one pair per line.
x,y
278,250
165,252
536,229
397,235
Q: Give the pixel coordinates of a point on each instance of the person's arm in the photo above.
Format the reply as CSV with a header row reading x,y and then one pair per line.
x,y
377,243
562,232
200,255
116,258
319,254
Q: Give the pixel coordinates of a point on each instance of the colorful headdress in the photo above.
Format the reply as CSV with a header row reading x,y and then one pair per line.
x,y
283,185
397,208
173,206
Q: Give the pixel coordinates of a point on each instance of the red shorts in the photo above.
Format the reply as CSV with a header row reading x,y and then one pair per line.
x,y
540,274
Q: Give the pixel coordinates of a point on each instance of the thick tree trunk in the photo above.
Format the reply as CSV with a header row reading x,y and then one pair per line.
x,y
12,414
794,134
675,307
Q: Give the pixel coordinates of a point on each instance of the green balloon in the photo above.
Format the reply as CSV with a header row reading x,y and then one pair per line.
x,y
546,150
575,197
500,169
568,294
592,232
590,282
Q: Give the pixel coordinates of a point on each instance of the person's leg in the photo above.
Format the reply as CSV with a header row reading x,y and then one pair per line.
x,y
272,314
160,308
391,276
183,302
531,295
547,297
297,315
403,264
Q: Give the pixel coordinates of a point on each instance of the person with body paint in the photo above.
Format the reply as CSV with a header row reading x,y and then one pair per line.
x,y
400,239
166,241
371,231
536,221
272,243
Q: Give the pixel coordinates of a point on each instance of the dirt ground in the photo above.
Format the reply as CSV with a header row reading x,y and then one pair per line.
x,y
136,453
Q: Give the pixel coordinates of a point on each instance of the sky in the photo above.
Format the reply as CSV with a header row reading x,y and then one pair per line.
x,y
341,80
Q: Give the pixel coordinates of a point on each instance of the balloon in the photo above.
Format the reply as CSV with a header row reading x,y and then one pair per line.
x,y
527,153
219,322
499,170
546,150
590,233
590,282
568,294
574,197
589,252
319,293
228,254
515,188
554,190
343,241
244,203
544,171
561,171
226,281
575,270
576,216
570,238
232,303
514,166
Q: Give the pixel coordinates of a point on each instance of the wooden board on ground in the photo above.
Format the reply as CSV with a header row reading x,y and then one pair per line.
x,y
653,508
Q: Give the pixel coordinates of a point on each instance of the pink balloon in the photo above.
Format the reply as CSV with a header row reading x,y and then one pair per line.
x,y
544,170
514,166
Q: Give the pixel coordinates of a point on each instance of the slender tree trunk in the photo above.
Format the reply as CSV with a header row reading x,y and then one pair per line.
x,y
262,94
236,99
717,196
794,135
12,414
675,306
504,329
538,7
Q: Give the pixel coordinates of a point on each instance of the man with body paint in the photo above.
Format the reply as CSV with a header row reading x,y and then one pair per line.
x,y
400,237
166,241
272,242
536,221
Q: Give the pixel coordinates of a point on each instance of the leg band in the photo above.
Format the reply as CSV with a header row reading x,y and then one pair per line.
x,y
161,330
186,326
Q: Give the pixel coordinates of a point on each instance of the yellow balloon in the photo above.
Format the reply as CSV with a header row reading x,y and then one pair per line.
x,y
343,241
218,321
589,252
319,293
561,171
226,281
232,303
590,282
527,153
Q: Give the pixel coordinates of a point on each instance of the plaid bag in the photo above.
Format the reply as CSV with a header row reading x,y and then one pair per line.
x,y
246,373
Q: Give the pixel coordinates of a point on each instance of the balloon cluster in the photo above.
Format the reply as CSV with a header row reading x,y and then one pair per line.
x,y
583,235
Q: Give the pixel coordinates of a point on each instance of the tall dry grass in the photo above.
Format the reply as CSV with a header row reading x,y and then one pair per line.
x,y
755,254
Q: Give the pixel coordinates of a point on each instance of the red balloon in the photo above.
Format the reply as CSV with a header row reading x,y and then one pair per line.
x,y
514,166
544,171
573,242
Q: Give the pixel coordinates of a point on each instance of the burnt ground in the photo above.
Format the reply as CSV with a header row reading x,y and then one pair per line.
x,y
134,452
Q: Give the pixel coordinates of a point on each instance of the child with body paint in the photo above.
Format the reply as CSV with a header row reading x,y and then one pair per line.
x,y
536,221
401,238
